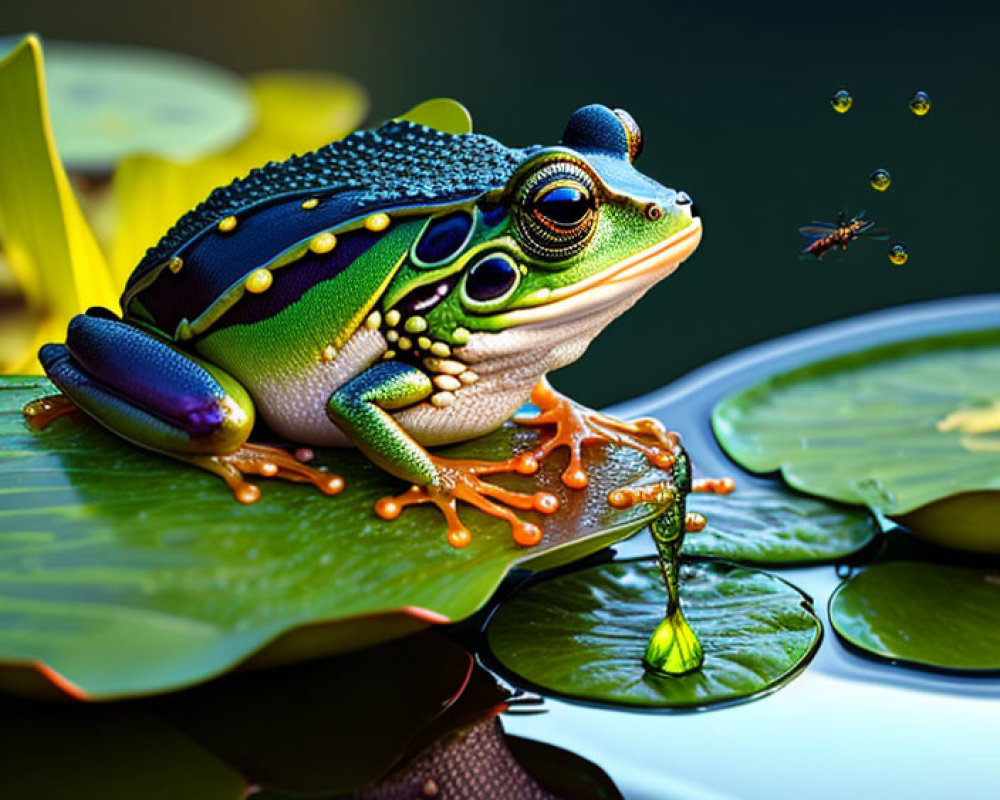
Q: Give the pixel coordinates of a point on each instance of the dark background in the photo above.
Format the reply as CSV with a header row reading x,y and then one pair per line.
x,y
733,99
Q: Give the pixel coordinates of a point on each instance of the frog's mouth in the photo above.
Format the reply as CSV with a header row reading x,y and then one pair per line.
x,y
639,271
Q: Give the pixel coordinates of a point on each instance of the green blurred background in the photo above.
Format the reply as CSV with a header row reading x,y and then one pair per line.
x,y
734,101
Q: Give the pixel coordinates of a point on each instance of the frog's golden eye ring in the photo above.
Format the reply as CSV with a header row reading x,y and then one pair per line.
x,y
556,211
490,283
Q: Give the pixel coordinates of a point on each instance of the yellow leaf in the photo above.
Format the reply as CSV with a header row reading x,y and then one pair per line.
x,y
297,112
48,245
442,114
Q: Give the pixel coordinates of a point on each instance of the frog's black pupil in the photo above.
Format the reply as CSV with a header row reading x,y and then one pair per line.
x,y
563,205
490,278
444,237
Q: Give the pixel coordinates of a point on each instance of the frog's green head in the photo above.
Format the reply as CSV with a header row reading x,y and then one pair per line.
x,y
573,239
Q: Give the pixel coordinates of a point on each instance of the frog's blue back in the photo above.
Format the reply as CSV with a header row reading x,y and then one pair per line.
x,y
398,165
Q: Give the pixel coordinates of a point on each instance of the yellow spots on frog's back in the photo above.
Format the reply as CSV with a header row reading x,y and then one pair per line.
x,y
460,336
374,321
468,377
423,343
323,242
228,224
176,264
392,317
259,280
310,204
415,325
440,349
405,343
377,222
329,353
392,336
447,366
447,382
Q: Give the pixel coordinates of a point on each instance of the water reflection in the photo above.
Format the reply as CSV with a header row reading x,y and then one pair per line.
x,y
413,718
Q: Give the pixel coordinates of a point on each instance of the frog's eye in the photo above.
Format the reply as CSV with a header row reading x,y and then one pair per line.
x,y
557,211
489,283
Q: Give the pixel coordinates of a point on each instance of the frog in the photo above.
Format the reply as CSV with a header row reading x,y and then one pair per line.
x,y
406,287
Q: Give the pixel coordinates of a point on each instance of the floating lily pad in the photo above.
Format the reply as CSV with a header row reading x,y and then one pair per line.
x,y
108,101
583,634
123,572
923,614
773,525
897,428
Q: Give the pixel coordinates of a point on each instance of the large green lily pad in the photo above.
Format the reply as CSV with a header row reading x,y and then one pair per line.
x,y
897,428
923,614
109,101
762,524
583,634
123,572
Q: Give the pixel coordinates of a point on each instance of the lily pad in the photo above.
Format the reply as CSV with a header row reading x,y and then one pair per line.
x,y
775,526
123,572
111,100
922,614
897,428
583,634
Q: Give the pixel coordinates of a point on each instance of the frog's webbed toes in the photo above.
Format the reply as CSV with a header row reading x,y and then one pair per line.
x,y
268,462
459,480
576,426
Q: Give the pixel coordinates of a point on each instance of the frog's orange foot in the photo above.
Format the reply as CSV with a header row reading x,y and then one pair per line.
x,y
269,462
459,479
576,426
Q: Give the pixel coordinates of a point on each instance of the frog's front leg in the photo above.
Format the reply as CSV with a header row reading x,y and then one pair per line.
x,y
164,400
576,426
361,409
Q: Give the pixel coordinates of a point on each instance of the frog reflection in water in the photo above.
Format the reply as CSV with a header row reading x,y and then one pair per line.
x,y
403,288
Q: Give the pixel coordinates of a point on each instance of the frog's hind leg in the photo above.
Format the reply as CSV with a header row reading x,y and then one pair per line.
x,y
145,391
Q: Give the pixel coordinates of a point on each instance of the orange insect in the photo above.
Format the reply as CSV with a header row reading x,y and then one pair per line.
x,y
826,236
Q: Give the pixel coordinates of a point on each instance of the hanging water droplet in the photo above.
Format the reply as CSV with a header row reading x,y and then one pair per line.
x,y
920,103
841,101
880,180
898,254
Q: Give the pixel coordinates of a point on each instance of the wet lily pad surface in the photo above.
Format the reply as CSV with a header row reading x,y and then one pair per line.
x,y
123,572
896,428
924,614
765,524
582,634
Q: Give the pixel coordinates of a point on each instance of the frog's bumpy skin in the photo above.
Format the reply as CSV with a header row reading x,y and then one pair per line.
x,y
398,163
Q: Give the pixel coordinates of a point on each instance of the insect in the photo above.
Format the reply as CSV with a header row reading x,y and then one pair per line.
x,y
826,236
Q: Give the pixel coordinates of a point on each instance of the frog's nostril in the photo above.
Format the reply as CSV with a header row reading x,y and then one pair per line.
x,y
682,199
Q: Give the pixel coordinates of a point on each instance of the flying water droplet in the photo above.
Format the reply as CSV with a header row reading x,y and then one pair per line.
x,y
841,101
880,180
898,254
920,103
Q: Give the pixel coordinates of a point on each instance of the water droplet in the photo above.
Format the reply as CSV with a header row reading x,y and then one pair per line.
x,y
920,103
841,101
898,254
880,180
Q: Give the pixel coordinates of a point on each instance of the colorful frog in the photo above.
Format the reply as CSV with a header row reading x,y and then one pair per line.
x,y
402,288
